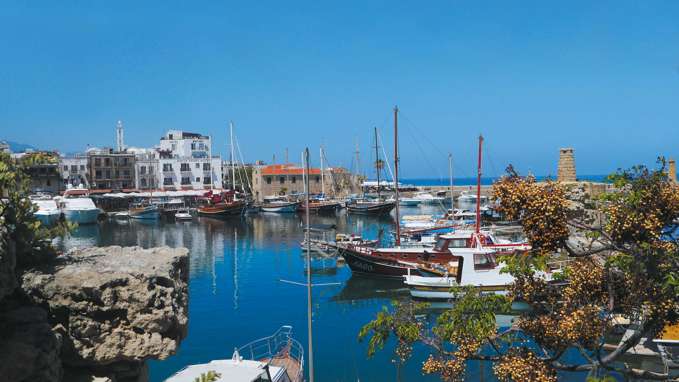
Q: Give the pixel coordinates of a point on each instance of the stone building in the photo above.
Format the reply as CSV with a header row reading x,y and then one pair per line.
x,y
286,179
672,170
566,170
111,170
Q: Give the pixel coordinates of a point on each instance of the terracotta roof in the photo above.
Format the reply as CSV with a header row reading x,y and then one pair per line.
x,y
287,169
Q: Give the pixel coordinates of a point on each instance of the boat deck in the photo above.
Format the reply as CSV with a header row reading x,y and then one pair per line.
x,y
288,363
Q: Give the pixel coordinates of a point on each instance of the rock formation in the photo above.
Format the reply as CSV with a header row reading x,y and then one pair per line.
x,y
96,312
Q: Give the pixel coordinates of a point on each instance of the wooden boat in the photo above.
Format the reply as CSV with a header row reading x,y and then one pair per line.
x,y
320,206
366,207
144,211
222,204
276,358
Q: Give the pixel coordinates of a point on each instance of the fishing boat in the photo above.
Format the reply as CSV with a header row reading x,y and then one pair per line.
x,y
183,214
278,204
276,358
222,204
144,211
48,212
79,210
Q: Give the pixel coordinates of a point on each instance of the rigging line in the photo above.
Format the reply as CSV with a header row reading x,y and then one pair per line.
x,y
421,149
379,137
240,155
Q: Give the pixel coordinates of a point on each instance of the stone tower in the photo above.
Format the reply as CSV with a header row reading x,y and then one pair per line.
x,y
672,170
566,171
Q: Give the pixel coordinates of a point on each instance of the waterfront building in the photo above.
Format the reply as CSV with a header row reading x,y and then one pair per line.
x,y
146,173
185,162
74,171
287,179
111,170
42,168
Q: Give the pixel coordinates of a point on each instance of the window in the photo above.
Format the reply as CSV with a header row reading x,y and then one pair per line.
x,y
281,180
167,181
107,162
150,169
174,146
97,161
167,166
197,165
185,167
143,182
197,179
125,162
268,180
74,168
318,179
294,179
206,167
142,170
117,173
65,168
108,174
82,167
207,180
126,173
186,180
193,145
483,261
49,183
98,174
457,243
201,146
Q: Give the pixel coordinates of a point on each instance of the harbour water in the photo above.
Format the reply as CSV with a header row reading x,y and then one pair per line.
x,y
236,294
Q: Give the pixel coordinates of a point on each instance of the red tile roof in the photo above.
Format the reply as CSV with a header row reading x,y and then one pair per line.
x,y
287,169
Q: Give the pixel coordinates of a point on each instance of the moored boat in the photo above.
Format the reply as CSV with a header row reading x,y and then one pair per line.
x,y
48,212
183,214
276,358
222,205
278,204
144,211
80,210
367,207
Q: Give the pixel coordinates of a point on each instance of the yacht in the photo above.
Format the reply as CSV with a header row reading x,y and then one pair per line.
x,y
278,204
469,198
277,358
80,210
183,214
427,198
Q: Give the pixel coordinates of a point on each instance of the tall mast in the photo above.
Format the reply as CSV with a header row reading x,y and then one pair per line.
x,y
308,267
478,189
233,169
322,177
398,218
377,166
450,174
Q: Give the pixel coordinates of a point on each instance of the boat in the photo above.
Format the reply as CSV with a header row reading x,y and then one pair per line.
x,y
320,206
467,198
144,211
276,358
79,210
183,214
427,198
278,204
409,202
222,204
48,212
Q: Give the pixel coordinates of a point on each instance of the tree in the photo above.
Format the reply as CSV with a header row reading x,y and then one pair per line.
x,y
621,265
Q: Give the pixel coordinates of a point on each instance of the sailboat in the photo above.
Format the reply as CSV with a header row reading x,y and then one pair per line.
x,y
373,207
320,204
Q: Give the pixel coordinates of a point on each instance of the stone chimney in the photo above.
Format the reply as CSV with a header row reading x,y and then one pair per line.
x,y
672,170
566,171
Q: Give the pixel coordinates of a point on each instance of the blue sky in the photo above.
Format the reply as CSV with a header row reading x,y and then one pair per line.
x,y
602,77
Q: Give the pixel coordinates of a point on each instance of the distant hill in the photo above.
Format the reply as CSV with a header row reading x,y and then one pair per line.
x,y
17,147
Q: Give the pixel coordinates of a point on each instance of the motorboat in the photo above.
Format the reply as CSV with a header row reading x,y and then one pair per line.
x,y
469,198
409,202
48,212
277,358
79,210
427,198
183,214
278,204
144,211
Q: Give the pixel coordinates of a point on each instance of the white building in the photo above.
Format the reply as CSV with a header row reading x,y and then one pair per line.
x,y
74,170
185,161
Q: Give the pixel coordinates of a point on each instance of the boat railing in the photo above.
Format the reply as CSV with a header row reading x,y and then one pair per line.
x,y
278,345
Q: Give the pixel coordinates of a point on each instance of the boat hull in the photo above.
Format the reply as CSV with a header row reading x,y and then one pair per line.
x,y
88,216
150,215
320,208
360,263
371,208
282,208
48,218
234,209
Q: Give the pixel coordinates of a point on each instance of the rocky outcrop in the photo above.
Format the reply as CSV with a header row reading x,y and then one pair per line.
x,y
109,309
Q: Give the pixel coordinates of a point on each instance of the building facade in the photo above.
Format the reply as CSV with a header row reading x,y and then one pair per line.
x,y
287,179
111,170
185,162
146,173
74,171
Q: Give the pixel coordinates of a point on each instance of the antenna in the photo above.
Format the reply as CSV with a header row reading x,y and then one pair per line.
x,y
120,136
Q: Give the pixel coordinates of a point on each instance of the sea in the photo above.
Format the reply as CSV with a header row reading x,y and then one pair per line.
x,y
237,292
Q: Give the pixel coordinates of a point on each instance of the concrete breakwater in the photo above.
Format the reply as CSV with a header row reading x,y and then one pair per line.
x,y
93,314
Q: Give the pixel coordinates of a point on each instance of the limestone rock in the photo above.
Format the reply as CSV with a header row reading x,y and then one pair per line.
x,y
115,305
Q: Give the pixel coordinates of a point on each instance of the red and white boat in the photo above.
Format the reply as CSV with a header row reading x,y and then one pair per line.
x,y
222,204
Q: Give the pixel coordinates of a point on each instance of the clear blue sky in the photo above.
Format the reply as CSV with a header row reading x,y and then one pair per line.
x,y
602,77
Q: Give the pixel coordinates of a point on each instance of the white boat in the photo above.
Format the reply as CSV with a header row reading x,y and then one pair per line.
x,y
469,198
48,212
183,214
278,204
277,358
409,202
80,210
427,198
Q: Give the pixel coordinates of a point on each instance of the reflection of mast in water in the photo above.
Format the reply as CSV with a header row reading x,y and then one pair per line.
x,y
235,269
214,274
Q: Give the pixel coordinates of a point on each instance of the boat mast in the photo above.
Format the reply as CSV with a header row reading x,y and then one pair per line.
x,y
322,177
450,174
398,219
233,169
308,267
478,189
377,166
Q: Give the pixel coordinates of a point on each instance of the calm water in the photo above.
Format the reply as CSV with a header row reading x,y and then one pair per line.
x,y
235,292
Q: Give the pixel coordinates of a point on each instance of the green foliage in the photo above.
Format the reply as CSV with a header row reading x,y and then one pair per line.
x,y
210,376
401,323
